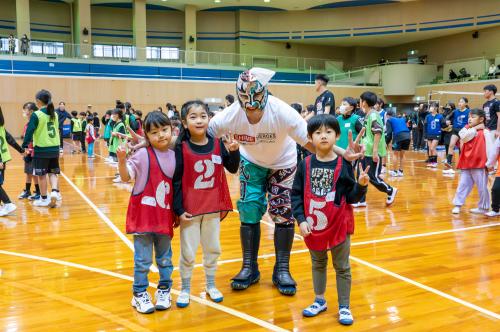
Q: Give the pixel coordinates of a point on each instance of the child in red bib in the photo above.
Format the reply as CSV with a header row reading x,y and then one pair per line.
x,y
201,195
473,163
323,189
150,216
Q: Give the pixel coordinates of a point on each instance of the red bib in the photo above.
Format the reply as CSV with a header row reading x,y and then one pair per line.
x,y
330,223
151,210
473,154
204,184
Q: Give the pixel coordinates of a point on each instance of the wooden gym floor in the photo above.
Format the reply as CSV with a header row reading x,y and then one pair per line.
x,y
415,266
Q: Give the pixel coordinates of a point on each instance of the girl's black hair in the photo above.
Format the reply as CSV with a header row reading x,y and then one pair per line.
x,y
155,119
435,105
2,120
46,98
83,113
118,112
310,108
352,102
323,120
31,106
184,133
466,101
369,97
139,113
90,118
109,112
74,113
95,114
452,105
297,107
479,112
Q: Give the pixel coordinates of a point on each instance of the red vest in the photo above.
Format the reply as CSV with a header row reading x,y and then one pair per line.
x,y
330,223
473,154
151,211
204,184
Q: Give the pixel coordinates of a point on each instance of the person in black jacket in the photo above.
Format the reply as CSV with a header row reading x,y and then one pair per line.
x,y
62,115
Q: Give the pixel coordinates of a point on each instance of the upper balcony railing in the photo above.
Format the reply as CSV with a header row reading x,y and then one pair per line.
x,y
167,55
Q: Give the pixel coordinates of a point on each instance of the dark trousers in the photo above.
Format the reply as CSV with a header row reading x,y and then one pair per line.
x,y
374,174
82,141
495,195
420,139
61,137
414,135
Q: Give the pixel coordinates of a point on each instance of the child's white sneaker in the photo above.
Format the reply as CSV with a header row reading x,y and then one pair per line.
x,y
345,316
53,199
215,294
163,299
492,214
42,202
7,209
315,309
456,210
183,300
142,303
478,211
118,179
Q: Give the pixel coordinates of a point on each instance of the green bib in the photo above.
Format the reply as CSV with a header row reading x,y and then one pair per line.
x,y
4,149
369,137
115,141
47,133
77,125
345,126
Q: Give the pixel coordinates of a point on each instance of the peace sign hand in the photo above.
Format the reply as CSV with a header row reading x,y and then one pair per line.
x,y
136,141
363,177
354,150
230,143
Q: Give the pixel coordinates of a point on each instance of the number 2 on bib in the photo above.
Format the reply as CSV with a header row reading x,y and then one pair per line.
x,y
321,219
206,169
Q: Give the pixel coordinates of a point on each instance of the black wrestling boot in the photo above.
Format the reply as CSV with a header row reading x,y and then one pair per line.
x,y
283,240
249,273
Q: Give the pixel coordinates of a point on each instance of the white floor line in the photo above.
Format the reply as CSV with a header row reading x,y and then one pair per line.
x,y
104,218
95,177
427,288
230,311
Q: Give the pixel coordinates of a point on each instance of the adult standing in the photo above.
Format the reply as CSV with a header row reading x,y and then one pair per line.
x,y
325,102
62,115
25,44
12,44
267,130
492,110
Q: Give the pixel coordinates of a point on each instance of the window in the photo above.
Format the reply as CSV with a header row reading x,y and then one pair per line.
x,y
4,45
163,53
113,51
47,48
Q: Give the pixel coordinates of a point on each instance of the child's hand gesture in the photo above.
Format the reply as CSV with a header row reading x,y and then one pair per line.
x,y
305,229
1,165
121,151
363,177
231,144
185,217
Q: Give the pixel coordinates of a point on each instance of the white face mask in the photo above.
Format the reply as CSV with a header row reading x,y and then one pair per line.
x,y
343,109
25,115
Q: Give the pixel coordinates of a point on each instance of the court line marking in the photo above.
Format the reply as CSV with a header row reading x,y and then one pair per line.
x,y
197,299
81,305
427,288
104,218
420,285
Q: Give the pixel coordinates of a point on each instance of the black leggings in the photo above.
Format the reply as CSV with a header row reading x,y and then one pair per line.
x,y
4,198
495,195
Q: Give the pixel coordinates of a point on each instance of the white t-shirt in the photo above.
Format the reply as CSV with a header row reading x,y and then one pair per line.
x,y
269,143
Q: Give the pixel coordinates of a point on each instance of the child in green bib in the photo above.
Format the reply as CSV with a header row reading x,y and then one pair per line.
x,y
5,140
375,147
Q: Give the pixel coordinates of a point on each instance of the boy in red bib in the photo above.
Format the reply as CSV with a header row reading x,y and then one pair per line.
x,y
323,189
473,163
201,195
150,215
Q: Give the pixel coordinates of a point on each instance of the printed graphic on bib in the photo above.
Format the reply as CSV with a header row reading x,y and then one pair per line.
x,y
162,191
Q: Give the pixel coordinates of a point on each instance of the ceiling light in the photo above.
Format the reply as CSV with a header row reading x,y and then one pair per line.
x,y
267,0
217,1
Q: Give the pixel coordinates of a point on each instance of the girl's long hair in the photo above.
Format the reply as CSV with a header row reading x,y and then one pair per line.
x,y
184,133
46,98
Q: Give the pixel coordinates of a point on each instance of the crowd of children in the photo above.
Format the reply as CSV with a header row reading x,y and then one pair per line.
x,y
179,178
